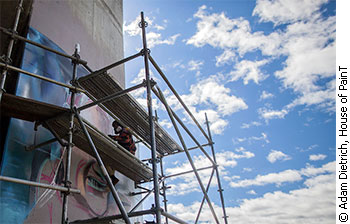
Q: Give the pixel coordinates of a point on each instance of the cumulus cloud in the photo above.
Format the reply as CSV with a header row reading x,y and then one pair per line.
x,y
268,114
226,57
284,11
140,94
188,183
285,176
253,123
195,65
275,155
317,157
154,38
252,192
249,71
263,137
165,123
266,95
306,44
271,178
312,203
219,31
216,101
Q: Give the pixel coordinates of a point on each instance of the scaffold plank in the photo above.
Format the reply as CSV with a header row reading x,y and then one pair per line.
x,y
57,118
129,111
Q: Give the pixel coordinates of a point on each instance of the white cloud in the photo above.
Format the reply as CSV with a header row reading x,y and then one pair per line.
x,y
226,57
285,11
248,70
222,32
166,123
153,38
307,43
317,157
266,95
195,65
253,123
275,155
189,182
310,171
252,192
263,137
251,139
268,114
314,203
214,98
140,94
285,176
133,29
271,178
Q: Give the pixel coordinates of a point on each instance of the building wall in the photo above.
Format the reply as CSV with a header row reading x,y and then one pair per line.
x,y
97,26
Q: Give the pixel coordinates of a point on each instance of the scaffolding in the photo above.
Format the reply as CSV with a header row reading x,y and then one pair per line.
x,y
118,103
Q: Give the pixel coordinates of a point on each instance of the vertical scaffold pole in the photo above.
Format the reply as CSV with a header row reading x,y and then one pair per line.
x,y
217,171
170,113
143,25
67,182
10,46
164,190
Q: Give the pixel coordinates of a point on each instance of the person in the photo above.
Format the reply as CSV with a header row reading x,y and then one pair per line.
x,y
123,136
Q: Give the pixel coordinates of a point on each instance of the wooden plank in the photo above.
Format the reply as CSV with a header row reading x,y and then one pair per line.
x,y
28,109
129,111
111,153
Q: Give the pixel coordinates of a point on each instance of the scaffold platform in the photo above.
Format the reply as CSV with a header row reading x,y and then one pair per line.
x,y
129,111
57,118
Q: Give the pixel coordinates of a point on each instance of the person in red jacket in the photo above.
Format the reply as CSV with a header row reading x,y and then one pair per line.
x,y
124,137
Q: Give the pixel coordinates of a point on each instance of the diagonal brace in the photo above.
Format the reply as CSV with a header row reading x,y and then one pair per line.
x,y
162,99
188,156
103,168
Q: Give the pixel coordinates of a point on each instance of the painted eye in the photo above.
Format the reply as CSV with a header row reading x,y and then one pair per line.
x,y
96,184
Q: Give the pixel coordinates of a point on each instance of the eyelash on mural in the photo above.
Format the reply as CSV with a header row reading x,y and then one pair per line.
x,y
97,185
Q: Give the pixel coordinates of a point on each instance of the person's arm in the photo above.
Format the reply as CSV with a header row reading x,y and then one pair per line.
x,y
114,137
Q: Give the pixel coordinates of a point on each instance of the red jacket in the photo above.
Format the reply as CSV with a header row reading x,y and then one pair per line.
x,y
125,139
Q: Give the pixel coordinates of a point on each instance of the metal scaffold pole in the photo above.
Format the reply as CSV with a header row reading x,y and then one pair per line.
x,y
103,169
164,190
67,182
217,172
143,25
188,154
10,46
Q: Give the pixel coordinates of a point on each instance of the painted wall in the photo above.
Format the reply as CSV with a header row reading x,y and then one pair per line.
x,y
97,26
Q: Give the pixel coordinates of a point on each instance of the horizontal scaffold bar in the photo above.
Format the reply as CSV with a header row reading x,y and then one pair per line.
x,y
114,217
105,69
18,37
6,66
111,97
190,171
36,184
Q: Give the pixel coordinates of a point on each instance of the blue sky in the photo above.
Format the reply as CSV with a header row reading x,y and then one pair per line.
x,y
263,71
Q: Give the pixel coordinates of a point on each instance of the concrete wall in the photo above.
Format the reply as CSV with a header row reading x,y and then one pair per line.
x,y
95,24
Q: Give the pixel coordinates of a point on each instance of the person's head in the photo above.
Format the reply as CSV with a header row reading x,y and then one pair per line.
x,y
117,126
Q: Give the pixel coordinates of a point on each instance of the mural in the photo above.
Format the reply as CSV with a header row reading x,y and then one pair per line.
x,y
24,204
